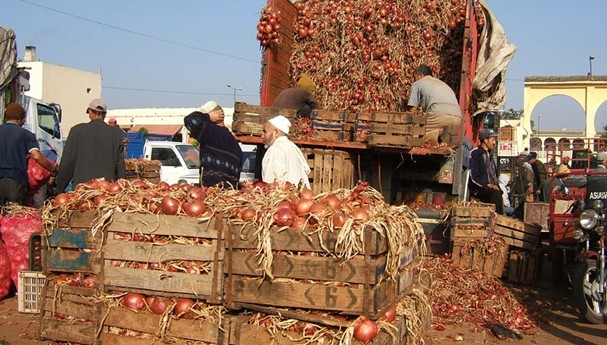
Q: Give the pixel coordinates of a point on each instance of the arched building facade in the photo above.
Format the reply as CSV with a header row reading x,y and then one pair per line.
x,y
590,92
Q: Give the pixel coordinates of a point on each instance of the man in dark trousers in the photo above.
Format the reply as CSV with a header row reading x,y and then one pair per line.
x,y
484,183
16,143
539,173
220,154
92,150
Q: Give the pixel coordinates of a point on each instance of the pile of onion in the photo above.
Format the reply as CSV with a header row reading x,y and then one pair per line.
x,y
268,27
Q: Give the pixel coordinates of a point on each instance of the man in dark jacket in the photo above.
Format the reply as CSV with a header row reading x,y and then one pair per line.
x,y
484,183
16,144
92,150
299,98
539,173
220,154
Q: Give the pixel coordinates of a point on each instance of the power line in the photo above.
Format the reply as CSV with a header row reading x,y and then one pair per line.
x,y
175,92
139,33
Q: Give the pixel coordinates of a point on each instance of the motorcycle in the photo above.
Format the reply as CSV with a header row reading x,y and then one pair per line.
x,y
590,275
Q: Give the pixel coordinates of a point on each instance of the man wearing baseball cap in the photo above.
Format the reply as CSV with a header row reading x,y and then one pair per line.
x,y
283,161
484,183
92,150
15,146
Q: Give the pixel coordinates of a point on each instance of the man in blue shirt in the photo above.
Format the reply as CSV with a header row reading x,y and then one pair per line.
x,y
16,144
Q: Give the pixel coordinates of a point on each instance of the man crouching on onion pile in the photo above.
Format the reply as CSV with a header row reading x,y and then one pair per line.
x,y
283,161
220,154
438,100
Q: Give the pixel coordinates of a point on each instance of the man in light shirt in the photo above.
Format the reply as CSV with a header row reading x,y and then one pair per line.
x,y
283,161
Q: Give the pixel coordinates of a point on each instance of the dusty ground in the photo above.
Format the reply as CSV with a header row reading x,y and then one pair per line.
x,y
558,322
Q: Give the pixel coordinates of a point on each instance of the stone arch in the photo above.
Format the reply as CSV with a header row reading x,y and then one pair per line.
x,y
549,144
564,145
588,91
535,144
600,122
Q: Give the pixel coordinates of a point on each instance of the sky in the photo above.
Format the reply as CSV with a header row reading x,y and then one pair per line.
x,y
154,53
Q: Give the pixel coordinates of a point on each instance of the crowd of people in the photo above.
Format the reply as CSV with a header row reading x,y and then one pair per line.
x,y
96,149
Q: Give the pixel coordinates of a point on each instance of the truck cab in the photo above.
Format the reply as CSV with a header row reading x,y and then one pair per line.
x,y
44,120
179,161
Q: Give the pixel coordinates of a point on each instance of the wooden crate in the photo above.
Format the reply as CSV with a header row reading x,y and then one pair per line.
x,y
209,250
69,313
72,247
120,323
474,220
393,129
523,266
471,254
537,213
517,233
362,127
303,279
330,125
249,119
243,332
331,169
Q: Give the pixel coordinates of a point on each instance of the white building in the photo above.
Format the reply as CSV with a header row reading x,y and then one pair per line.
x,y
162,121
71,88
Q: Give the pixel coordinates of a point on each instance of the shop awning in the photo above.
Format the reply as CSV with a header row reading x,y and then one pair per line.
x,y
158,129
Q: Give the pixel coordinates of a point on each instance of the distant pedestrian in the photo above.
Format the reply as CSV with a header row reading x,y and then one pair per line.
x,y
539,175
484,182
92,150
220,153
283,161
16,144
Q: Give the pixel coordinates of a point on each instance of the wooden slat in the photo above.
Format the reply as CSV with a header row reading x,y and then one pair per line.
x,y
164,225
200,285
348,300
152,252
293,240
306,267
243,333
68,260
80,239
199,330
67,331
516,234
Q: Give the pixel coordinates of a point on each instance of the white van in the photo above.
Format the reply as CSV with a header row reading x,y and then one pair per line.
x,y
179,161
249,161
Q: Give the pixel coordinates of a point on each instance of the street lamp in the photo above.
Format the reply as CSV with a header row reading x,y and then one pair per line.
x,y
234,88
590,58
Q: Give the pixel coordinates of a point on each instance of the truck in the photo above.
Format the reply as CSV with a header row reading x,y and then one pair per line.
x,y
179,162
475,70
42,118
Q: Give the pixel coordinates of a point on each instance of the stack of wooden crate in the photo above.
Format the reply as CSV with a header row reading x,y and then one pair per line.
x,y
392,129
72,265
142,169
249,119
525,256
88,270
474,243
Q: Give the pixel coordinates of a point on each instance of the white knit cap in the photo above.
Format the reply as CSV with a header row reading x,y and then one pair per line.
x,y
209,106
281,123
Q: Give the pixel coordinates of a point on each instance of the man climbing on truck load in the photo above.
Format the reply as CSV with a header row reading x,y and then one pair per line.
x,y
17,142
299,98
484,183
438,100
220,154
